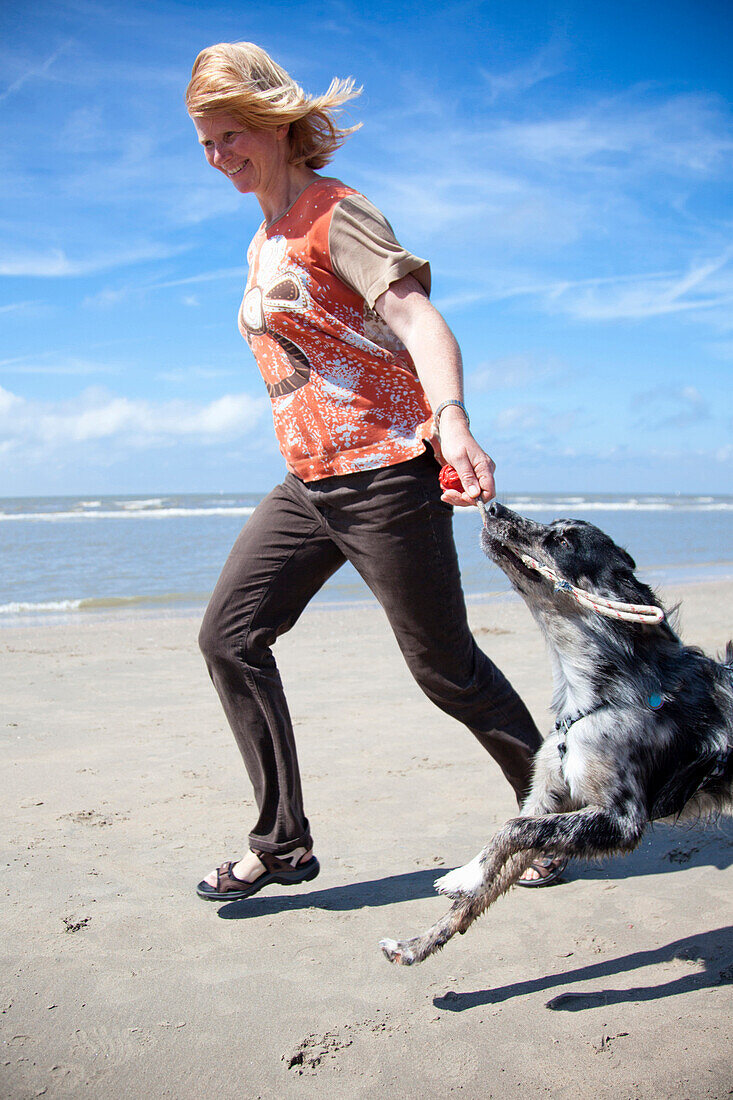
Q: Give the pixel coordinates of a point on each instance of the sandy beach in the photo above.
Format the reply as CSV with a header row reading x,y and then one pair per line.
x,y
123,787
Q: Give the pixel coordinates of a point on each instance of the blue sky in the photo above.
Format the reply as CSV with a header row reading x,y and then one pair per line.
x,y
565,167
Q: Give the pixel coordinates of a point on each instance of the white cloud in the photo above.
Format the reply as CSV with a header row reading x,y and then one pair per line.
x,y
109,297
8,401
16,307
608,180
54,262
671,407
706,285
611,297
545,64
539,426
97,414
630,133
70,365
33,72
523,418
513,371
477,204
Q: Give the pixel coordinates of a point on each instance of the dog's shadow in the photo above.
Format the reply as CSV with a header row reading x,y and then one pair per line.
x,y
713,949
668,848
663,849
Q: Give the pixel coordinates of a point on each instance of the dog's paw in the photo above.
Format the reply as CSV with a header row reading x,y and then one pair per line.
x,y
397,952
463,882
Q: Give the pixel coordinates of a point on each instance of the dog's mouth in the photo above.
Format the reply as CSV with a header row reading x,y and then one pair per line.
x,y
506,556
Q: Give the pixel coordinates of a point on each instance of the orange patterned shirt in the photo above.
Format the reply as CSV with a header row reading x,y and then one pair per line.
x,y
344,391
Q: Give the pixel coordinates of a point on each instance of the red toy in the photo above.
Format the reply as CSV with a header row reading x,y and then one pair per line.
x,y
449,479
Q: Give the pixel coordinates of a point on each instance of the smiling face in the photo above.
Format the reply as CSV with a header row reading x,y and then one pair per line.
x,y
254,160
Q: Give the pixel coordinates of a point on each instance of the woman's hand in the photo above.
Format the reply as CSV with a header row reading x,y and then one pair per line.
x,y
474,467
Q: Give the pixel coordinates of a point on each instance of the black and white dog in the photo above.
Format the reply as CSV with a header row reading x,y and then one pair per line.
x,y
644,724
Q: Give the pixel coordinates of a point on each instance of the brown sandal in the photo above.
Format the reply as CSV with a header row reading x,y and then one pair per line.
x,y
280,870
548,868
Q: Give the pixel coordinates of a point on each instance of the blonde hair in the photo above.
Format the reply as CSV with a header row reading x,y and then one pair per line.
x,y
243,80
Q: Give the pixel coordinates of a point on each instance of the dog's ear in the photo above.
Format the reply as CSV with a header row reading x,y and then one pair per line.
x,y
627,559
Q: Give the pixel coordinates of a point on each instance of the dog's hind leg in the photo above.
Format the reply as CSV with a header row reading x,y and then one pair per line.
x,y
585,833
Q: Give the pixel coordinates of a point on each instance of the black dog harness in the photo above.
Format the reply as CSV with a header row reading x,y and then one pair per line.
x,y
563,725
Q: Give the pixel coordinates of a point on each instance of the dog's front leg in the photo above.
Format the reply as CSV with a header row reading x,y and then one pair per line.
x,y
592,831
503,860
473,888
489,874
586,833
461,916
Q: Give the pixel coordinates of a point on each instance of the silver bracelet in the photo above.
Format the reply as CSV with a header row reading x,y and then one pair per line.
x,y
444,405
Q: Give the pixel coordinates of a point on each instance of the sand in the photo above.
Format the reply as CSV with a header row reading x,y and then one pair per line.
x,y
122,787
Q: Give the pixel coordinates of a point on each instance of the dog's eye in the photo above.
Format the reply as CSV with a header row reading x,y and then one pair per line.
x,y
556,538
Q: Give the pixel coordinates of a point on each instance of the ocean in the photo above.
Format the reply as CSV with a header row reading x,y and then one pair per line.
x,y
67,556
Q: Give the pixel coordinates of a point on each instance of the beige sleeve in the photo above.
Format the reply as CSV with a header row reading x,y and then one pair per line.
x,y
365,254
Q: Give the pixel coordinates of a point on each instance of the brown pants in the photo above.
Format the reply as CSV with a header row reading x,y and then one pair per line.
x,y
391,524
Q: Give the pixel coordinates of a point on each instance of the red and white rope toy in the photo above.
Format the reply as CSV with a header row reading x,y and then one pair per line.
x,y
612,609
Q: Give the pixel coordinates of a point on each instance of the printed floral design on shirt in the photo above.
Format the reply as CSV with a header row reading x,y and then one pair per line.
x,y
279,288
344,391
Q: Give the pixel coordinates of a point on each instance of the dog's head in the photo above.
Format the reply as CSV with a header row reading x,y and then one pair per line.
x,y
575,550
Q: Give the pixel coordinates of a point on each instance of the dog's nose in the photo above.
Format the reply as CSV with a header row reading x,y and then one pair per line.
x,y
496,509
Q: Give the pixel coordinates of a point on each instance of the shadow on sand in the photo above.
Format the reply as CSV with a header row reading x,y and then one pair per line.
x,y
664,849
714,949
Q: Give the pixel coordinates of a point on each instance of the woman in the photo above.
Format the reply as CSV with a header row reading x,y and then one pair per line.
x,y
355,359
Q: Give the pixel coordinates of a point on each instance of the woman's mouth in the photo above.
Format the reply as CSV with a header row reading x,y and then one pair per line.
x,y
235,171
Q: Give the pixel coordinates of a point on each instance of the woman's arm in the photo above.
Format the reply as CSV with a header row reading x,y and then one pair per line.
x,y
409,313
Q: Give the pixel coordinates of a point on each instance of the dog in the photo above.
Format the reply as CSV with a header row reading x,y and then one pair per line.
x,y
644,726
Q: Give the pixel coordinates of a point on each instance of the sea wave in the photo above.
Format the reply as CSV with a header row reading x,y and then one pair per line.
x,y
22,608
154,508
102,603
141,505
531,504
146,513
631,506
